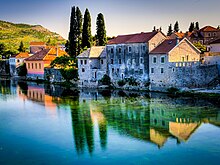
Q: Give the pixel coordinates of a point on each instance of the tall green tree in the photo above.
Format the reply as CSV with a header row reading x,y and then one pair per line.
x,y
21,47
100,30
78,31
191,27
176,27
86,34
170,30
72,34
197,26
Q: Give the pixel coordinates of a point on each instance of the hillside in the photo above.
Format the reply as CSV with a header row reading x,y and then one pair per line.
x,y
12,34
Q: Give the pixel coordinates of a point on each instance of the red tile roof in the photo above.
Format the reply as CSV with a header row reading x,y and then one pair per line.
x,y
208,29
39,56
166,46
22,55
37,43
133,38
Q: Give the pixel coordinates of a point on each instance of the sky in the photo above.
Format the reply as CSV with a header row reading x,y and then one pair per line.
x,y
121,16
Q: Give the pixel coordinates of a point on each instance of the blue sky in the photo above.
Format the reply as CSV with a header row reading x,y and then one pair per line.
x,y
121,16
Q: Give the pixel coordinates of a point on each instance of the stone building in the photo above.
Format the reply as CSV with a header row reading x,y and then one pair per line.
x,y
176,63
128,55
16,61
92,66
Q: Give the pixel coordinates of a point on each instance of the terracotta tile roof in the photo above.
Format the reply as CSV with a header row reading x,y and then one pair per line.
x,y
208,29
22,55
166,46
215,42
39,56
180,35
133,38
93,52
47,55
37,43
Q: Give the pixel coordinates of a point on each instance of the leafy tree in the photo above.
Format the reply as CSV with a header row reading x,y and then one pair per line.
x,y
22,70
170,30
2,49
21,47
191,27
86,34
106,80
197,26
176,27
218,27
100,30
200,46
67,46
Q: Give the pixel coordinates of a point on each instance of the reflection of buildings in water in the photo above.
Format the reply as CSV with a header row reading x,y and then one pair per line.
x,y
148,120
37,94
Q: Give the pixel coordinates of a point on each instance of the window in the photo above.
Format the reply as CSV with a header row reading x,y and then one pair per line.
x,y
119,61
154,60
187,58
119,50
35,65
18,60
83,70
85,62
144,48
173,70
113,70
141,71
112,50
81,61
152,70
209,34
39,65
141,60
117,70
28,65
129,49
183,59
214,34
111,61
95,75
102,62
162,60
161,70
32,66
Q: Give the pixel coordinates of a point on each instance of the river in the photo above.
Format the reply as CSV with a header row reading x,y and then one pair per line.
x,y
42,125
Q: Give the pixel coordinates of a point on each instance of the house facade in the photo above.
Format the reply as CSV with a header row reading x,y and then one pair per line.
x,y
176,63
36,63
128,55
92,66
16,61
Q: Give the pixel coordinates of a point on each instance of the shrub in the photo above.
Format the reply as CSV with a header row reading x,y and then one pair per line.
x,y
121,83
106,80
173,90
131,81
69,74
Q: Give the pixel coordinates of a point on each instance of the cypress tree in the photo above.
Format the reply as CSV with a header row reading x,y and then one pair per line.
x,y
21,47
86,34
79,30
176,27
100,30
72,33
170,31
154,29
197,25
191,27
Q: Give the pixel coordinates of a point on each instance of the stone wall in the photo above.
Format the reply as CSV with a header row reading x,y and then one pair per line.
x,y
212,60
4,68
185,75
53,75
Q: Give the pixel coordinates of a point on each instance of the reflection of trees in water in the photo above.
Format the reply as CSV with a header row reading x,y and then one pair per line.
x,y
103,134
5,87
82,129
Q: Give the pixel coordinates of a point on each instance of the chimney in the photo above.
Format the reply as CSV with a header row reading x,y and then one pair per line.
x,y
177,40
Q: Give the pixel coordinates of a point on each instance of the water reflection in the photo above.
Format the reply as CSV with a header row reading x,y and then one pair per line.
x,y
153,118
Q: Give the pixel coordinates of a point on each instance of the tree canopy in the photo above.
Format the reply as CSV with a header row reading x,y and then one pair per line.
x,y
86,34
21,47
176,27
101,38
170,30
